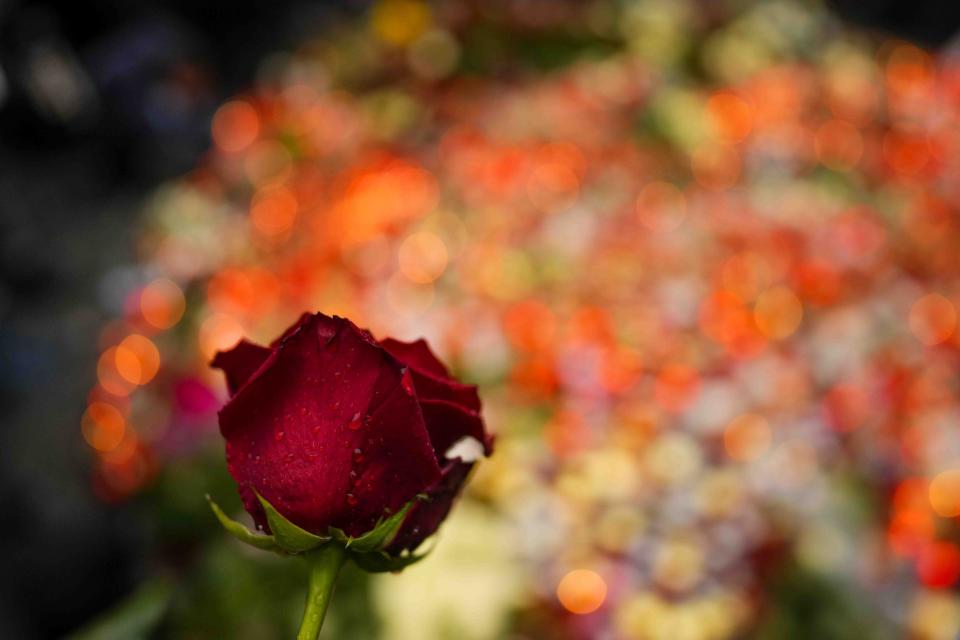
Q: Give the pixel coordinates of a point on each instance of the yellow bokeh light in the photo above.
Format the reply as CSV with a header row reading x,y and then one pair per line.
x,y
399,22
582,591
435,54
673,458
935,615
678,565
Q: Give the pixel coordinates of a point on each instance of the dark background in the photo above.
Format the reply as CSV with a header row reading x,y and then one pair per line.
x,y
100,101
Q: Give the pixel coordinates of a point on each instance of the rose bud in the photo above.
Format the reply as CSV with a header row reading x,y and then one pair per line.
x,y
330,433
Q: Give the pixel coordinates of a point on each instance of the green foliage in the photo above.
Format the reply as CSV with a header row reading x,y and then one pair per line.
x,y
133,619
805,604
241,533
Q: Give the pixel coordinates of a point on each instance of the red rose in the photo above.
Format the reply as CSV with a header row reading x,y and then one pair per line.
x,y
335,429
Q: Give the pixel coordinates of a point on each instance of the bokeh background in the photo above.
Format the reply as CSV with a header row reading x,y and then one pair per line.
x,y
703,259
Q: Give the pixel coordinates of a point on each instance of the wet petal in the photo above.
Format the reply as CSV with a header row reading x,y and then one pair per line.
x,y
304,319
240,363
448,422
426,516
417,355
326,432
430,387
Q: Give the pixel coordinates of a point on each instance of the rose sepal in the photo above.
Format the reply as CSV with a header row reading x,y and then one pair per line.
x,y
380,536
290,537
241,532
367,550
383,562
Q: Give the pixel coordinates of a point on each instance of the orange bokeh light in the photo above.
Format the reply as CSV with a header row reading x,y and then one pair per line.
x,y
162,304
530,325
730,115
778,312
125,469
838,144
661,206
723,317
911,495
909,531
235,126
745,274
906,154
368,204
747,437
933,319
109,377
908,69
944,492
716,166
552,183
273,212
137,359
582,591
676,387
938,564
535,375
218,332
819,282
247,292
102,426
422,257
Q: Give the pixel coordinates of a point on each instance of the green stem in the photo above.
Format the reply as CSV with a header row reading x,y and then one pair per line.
x,y
325,563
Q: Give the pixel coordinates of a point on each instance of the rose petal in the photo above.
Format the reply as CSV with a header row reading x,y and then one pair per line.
x,y
240,363
430,377
326,432
416,354
301,321
448,422
425,517
430,387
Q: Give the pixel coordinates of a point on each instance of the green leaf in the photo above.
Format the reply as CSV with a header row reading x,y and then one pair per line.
x,y
381,562
136,618
382,533
289,536
241,533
